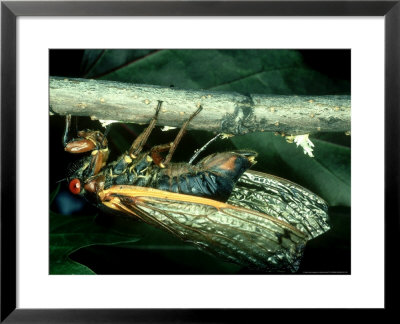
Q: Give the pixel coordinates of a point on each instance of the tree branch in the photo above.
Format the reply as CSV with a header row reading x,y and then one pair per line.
x,y
226,112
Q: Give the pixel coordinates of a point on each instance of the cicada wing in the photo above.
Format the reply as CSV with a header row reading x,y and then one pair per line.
x,y
236,234
282,199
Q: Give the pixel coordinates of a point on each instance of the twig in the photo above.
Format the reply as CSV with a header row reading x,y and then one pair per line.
x,y
223,112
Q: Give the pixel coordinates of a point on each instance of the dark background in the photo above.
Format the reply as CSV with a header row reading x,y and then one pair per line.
x,y
333,63
325,254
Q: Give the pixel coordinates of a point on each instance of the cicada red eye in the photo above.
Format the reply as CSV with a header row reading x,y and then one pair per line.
x,y
75,186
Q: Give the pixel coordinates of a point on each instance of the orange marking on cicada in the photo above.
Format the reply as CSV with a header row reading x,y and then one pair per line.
x,y
221,161
136,192
80,146
142,194
229,164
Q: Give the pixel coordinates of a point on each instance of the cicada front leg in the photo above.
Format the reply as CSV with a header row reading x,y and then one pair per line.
x,y
88,141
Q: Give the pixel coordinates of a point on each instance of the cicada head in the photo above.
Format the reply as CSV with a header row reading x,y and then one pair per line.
x,y
78,176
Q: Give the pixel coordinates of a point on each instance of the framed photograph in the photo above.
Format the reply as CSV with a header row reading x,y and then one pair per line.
x,y
210,89
195,155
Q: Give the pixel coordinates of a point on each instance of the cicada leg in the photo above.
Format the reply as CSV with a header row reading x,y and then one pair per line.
x,y
141,140
170,147
86,141
178,137
198,152
155,153
67,130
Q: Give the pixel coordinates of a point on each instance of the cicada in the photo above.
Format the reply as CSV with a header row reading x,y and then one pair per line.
x,y
246,217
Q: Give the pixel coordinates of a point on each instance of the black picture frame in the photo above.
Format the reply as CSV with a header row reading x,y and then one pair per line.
x,y
10,10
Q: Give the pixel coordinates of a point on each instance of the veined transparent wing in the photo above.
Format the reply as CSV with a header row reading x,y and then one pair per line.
x,y
236,234
282,199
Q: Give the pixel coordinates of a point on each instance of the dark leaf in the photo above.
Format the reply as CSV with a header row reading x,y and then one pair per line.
x,y
69,233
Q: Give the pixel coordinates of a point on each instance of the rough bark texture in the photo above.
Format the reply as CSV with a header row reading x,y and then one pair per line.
x,y
226,112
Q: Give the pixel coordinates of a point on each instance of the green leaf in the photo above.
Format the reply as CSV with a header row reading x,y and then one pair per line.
x,y
54,193
98,62
245,71
327,173
89,60
167,252
69,233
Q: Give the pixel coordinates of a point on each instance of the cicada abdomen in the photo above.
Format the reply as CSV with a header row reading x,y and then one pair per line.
x,y
253,219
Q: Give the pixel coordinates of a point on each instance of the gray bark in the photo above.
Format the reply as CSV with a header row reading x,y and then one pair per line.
x,y
226,112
